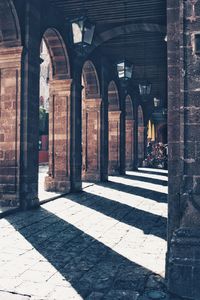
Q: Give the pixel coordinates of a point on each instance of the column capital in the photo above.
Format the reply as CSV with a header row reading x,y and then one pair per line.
x,y
114,114
93,103
61,87
10,57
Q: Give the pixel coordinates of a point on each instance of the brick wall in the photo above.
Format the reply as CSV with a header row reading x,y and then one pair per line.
x,y
10,92
183,135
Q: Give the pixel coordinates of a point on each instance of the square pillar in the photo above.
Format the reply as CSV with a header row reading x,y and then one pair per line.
x,y
183,257
91,146
129,145
59,137
10,110
114,142
141,131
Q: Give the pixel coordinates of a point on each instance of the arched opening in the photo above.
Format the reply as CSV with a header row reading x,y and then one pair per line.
x,y
10,105
140,136
129,131
54,126
91,122
162,133
113,129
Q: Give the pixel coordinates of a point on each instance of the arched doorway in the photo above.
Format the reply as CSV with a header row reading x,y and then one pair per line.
x,y
114,114
54,55
140,136
162,133
91,123
10,105
129,131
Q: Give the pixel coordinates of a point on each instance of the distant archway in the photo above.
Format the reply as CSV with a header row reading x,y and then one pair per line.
x,y
91,122
140,135
162,133
59,84
113,129
129,131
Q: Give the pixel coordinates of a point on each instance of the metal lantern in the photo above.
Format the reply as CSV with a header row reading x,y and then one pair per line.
x,y
156,102
82,31
145,88
124,70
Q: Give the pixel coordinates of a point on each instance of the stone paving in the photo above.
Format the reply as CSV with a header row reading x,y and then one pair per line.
x,y
107,242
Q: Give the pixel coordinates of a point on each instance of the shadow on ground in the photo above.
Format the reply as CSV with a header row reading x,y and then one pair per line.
x,y
90,266
137,191
146,221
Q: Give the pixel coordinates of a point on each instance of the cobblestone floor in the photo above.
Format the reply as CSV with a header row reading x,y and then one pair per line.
x,y
107,242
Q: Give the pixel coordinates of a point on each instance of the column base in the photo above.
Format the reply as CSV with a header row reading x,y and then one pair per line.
x,y
9,200
114,172
184,264
59,185
91,176
29,203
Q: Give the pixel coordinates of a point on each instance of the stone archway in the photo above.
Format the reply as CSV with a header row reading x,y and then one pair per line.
x,y
129,125
91,123
140,135
58,179
114,114
161,131
10,104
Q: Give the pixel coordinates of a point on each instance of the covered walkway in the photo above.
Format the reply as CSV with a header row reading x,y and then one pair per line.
x,y
106,242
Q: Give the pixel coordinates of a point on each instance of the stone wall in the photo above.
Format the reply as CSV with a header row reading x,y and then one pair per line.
x,y
10,110
184,164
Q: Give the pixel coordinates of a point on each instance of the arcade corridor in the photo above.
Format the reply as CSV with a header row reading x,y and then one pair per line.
x,y
97,91
107,242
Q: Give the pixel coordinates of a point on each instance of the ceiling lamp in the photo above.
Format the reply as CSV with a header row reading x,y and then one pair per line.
x,y
144,85
156,102
145,88
124,70
82,31
124,67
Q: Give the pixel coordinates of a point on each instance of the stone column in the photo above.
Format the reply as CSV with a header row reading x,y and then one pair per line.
x,y
140,144
76,124
129,144
10,110
91,170
114,142
136,140
30,106
104,119
122,134
183,258
59,137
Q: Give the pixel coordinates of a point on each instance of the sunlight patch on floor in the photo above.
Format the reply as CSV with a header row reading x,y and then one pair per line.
x,y
126,240
146,175
24,265
42,194
134,201
139,184
152,170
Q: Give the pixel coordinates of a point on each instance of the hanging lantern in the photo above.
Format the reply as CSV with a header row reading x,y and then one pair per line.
x,y
124,70
82,31
156,102
145,88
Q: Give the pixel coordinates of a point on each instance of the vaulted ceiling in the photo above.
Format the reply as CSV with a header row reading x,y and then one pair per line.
x,y
134,28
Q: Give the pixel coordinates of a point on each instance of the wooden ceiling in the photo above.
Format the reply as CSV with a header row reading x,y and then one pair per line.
x,y
142,42
113,11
